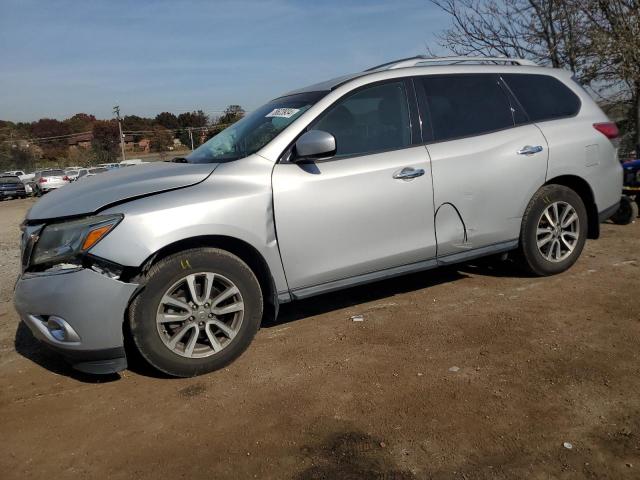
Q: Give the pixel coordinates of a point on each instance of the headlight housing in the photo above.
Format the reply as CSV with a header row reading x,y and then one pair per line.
x,y
65,240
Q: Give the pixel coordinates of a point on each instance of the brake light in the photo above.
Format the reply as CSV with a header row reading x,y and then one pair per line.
x,y
42,180
65,178
608,129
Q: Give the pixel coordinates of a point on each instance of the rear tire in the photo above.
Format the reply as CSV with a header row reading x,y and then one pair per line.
x,y
626,213
201,339
554,230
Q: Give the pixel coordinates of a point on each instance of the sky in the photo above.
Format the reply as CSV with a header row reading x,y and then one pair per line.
x,y
58,57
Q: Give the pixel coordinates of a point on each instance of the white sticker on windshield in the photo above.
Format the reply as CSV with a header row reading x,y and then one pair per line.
x,y
283,112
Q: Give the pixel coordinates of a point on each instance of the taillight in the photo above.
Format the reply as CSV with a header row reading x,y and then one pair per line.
x,y
608,129
66,178
42,180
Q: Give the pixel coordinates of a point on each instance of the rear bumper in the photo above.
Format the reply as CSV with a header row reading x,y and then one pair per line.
x,y
12,194
79,314
47,188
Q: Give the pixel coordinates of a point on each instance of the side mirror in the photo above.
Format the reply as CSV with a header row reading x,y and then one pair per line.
x,y
315,144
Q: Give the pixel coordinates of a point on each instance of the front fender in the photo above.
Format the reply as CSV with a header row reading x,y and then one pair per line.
x,y
235,201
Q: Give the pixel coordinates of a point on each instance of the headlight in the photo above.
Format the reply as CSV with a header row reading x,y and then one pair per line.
x,y
65,240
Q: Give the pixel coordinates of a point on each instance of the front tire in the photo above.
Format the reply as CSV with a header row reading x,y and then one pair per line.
x,y
554,230
199,310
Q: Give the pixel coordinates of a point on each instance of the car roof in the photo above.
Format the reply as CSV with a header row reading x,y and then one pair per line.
x,y
435,65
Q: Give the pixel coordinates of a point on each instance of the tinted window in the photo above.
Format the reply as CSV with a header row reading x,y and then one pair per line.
x,y
465,105
371,120
9,180
53,173
543,97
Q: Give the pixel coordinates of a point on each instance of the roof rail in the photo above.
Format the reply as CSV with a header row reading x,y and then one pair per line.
x,y
423,60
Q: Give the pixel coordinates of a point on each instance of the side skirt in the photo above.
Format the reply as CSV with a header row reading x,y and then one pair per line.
x,y
450,259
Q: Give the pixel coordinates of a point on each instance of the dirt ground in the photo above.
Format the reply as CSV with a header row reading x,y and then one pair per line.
x,y
462,373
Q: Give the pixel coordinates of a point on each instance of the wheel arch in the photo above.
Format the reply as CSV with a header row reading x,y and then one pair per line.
x,y
584,191
243,250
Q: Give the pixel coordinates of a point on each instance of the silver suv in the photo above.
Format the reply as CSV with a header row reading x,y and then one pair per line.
x,y
400,168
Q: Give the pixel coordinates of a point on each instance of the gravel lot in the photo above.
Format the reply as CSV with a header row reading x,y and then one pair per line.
x,y
468,372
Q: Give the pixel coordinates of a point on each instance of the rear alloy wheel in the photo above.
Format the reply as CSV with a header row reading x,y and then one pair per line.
x,y
198,311
554,230
558,232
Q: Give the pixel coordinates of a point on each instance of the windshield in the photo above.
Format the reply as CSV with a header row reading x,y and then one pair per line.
x,y
254,131
52,173
9,180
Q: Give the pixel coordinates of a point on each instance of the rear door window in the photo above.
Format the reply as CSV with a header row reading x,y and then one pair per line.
x,y
464,105
542,96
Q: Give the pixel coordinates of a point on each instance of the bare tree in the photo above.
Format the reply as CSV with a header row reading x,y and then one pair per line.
x,y
614,34
598,40
548,31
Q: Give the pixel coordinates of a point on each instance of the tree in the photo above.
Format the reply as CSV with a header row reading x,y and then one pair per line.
x,y
50,135
614,34
196,119
161,139
167,120
231,114
80,122
598,40
551,32
134,123
106,140
193,119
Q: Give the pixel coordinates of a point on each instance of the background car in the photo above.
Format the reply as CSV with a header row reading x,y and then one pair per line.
x,y
71,174
630,201
92,172
109,166
48,180
11,187
17,173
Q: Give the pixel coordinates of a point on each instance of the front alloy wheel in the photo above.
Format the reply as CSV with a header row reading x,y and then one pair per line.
x,y
198,311
200,314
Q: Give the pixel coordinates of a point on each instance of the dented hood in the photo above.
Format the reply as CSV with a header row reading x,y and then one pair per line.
x,y
89,195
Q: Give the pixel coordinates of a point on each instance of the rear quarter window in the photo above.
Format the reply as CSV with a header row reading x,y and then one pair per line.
x,y
543,97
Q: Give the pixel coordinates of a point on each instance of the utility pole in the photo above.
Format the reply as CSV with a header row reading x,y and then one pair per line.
x,y
191,137
116,112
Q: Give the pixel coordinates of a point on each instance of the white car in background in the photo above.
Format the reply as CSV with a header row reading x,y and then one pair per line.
x,y
16,173
47,180
92,172
71,174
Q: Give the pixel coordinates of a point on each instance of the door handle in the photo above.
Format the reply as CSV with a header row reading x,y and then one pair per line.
x,y
529,150
407,173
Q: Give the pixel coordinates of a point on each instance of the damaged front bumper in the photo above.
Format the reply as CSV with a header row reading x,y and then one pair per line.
x,y
79,313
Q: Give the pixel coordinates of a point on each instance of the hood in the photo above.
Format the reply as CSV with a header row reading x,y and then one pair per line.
x,y
89,195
